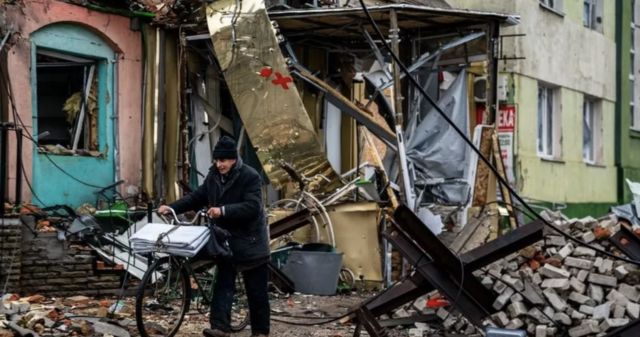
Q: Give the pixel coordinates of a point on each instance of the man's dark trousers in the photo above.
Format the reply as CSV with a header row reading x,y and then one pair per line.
x,y
255,283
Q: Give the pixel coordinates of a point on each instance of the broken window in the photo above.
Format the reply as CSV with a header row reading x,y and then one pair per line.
x,y
548,122
592,11
555,5
591,130
67,90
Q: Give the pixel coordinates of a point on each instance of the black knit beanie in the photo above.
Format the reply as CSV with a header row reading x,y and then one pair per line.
x,y
225,149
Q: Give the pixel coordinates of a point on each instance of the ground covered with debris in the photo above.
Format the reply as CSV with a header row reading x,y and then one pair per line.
x,y
88,316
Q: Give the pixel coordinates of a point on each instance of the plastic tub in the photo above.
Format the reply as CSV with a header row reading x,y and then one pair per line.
x,y
314,272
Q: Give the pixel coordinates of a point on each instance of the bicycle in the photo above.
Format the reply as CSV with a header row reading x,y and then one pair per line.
x,y
172,283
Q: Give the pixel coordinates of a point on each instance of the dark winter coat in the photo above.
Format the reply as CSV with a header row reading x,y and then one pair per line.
x,y
244,216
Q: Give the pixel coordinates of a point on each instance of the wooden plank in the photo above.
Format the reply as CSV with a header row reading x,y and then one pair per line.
x,y
483,172
504,191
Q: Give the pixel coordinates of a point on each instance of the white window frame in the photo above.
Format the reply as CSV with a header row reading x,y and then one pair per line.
x,y
592,131
548,143
553,5
589,13
592,14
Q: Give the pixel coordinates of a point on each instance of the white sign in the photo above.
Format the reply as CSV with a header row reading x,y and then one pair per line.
x,y
506,128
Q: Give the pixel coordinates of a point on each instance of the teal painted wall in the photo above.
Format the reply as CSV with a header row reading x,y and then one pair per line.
x,y
55,183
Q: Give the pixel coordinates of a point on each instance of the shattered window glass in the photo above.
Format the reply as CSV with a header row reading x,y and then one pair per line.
x,y
67,101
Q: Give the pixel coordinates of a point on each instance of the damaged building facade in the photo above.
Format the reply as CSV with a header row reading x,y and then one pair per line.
x,y
573,120
361,119
132,98
56,56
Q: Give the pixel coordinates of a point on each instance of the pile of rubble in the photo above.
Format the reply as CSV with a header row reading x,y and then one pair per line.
x,y
558,286
37,315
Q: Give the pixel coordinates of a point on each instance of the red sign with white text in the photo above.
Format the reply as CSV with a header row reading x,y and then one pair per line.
x,y
507,118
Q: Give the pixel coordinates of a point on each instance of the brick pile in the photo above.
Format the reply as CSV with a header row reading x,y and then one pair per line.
x,y
557,287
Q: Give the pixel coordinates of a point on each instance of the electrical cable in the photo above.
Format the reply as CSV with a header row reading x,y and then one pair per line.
x,y
348,313
27,134
501,179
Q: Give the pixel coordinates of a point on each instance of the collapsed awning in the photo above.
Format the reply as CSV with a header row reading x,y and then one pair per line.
x,y
344,22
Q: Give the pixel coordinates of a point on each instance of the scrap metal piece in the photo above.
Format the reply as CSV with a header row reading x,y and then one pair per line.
x,y
630,330
267,100
347,106
403,292
290,223
455,282
627,241
504,245
427,253
366,319
416,285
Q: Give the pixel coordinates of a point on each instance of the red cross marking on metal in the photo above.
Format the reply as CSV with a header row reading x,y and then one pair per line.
x,y
282,80
266,72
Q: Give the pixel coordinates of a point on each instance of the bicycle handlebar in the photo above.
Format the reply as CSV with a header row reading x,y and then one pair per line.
x,y
195,218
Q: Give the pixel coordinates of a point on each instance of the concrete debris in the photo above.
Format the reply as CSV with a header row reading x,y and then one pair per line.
x,y
562,287
37,315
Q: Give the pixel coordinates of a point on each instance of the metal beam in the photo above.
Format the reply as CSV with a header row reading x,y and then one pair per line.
x,y
346,106
417,285
504,245
460,287
289,223
401,293
630,330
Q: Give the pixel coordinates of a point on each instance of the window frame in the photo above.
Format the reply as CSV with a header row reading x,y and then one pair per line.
x,y
79,127
589,22
548,143
554,6
594,156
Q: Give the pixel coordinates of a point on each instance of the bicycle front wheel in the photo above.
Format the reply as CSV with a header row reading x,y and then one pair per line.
x,y
163,298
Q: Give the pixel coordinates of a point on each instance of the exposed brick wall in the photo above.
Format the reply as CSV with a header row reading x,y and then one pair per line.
x,y
10,253
42,264
58,268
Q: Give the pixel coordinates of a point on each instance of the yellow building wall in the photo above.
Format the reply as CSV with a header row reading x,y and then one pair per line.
x,y
570,179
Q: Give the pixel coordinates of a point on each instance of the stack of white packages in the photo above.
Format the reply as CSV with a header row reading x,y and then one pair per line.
x,y
176,240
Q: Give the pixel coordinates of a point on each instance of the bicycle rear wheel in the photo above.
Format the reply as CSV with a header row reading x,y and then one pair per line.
x,y
162,298
206,273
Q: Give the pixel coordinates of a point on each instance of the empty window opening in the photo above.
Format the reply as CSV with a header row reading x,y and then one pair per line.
x,y
67,99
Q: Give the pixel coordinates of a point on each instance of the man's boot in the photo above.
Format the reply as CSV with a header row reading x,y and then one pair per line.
x,y
215,333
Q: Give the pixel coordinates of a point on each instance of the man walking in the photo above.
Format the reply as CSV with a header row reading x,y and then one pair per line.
x,y
232,194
